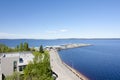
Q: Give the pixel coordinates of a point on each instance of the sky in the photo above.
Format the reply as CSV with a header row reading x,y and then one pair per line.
x,y
53,19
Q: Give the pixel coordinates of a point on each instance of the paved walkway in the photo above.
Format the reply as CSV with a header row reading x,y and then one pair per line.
x,y
63,72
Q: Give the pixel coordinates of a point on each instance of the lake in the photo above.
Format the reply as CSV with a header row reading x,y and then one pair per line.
x,y
98,62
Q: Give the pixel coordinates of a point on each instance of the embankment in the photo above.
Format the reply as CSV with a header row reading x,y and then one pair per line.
x,y
64,71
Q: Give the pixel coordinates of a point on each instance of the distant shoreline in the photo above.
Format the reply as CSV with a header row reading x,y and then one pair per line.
x,y
65,39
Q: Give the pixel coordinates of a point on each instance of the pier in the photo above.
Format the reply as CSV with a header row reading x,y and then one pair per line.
x,y
66,46
63,71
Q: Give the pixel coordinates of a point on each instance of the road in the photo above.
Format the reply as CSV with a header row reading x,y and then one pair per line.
x,y
63,72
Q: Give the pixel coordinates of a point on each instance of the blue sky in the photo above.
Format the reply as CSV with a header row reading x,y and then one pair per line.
x,y
50,19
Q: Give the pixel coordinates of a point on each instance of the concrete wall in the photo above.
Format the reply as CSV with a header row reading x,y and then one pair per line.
x,y
7,65
0,76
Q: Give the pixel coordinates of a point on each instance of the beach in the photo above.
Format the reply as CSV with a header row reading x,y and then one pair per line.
x,y
63,71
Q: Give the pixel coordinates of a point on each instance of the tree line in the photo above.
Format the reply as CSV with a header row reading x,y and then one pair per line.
x,y
19,48
4,48
22,47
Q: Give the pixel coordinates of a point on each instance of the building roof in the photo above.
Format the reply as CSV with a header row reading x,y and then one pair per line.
x,y
25,56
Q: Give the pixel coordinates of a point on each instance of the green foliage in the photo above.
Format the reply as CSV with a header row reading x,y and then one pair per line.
x,y
17,48
14,76
21,47
39,69
4,48
26,46
41,50
32,49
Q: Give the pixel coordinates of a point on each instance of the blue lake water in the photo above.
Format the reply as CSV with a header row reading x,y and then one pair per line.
x,y
98,62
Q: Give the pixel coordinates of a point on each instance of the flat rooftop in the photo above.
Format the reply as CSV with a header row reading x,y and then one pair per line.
x,y
16,54
25,56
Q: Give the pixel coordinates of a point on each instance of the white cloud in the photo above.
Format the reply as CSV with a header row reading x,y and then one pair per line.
x,y
6,34
63,30
56,31
47,34
16,36
51,32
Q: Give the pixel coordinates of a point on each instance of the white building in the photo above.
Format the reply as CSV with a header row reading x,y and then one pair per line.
x,y
11,62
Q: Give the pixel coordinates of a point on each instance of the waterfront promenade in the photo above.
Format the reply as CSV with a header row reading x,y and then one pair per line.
x,y
63,71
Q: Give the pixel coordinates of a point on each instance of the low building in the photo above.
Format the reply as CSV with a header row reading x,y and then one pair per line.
x,y
11,62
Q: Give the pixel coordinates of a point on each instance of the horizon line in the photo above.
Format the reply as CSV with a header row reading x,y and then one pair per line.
x,y
55,38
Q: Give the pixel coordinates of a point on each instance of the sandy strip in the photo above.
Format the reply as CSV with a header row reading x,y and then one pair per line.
x,y
63,71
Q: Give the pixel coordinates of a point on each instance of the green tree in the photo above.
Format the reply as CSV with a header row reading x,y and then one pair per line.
x,y
41,50
21,47
4,48
26,46
39,69
17,48
28,73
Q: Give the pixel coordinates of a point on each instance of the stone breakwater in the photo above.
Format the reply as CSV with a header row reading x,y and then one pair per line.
x,y
66,46
64,71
